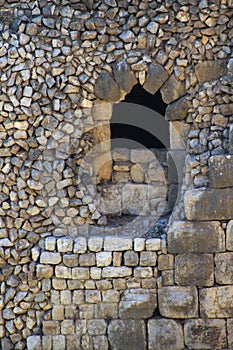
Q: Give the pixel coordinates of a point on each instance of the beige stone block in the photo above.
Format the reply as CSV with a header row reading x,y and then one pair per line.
x,y
97,327
80,245
65,297
50,258
178,302
165,334
102,111
44,271
95,244
139,244
78,297
110,296
103,259
92,296
143,272
59,283
117,259
131,258
142,156
67,327
229,236
62,272
178,135
168,278
116,272
51,327
65,244
153,244
224,268
58,312
216,302
148,258
106,310
230,332
59,342
112,243
87,259
80,273
165,262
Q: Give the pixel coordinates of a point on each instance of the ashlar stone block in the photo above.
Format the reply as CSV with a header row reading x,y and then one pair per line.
x,y
178,302
164,334
216,302
224,268
220,171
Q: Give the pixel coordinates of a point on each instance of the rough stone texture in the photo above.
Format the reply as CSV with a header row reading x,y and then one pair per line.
x,y
165,334
137,304
106,88
216,302
178,302
229,235
124,76
210,70
220,171
230,332
178,110
34,343
155,78
205,204
224,268
135,199
129,334
196,237
172,90
205,334
194,269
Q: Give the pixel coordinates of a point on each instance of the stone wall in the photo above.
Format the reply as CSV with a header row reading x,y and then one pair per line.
x,y
68,281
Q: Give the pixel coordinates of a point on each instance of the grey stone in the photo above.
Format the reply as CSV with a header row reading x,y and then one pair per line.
x,y
172,89
194,269
196,237
210,70
129,334
137,304
224,268
165,334
124,76
178,110
220,171
229,236
34,342
209,204
155,78
135,199
127,36
216,302
205,334
178,302
107,88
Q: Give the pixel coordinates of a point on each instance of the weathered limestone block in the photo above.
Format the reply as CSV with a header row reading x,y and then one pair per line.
x,y
165,334
142,156
205,334
196,237
44,271
148,259
80,273
194,269
229,235
210,70
204,204
116,272
155,78
230,332
129,334
102,111
50,258
224,268
153,244
131,258
97,327
178,302
112,243
135,199
165,262
62,272
220,171
227,109
172,89
103,258
65,244
124,76
51,327
34,342
80,245
107,88
178,110
216,302
178,135
137,304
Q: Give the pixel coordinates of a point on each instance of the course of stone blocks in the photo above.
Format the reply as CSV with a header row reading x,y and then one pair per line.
x,y
67,283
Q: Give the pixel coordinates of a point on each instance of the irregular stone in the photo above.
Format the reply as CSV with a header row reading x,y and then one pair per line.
x,y
172,89
137,304
137,174
112,243
130,335
196,237
210,70
165,334
155,78
216,302
124,76
50,258
220,171
178,302
227,109
224,268
44,271
205,334
194,269
34,342
127,36
178,110
107,88
208,204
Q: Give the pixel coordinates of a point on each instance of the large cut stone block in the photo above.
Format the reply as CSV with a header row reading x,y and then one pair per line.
x,y
196,237
172,89
137,304
178,302
205,334
102,111
221,171
216,302
224,268
205,204
135,199
194,269
165,334
107,88
178,135
155,78
178,110
210,70
124,75
128,334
